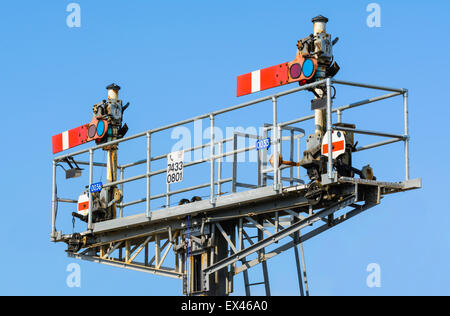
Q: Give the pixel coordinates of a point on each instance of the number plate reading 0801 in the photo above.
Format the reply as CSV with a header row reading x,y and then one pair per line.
x,y
175,167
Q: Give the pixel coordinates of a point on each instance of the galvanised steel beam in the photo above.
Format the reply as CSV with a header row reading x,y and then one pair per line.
x,y
278,236
363,85
176,212
110,251
125,228
168,272
357,210
364,132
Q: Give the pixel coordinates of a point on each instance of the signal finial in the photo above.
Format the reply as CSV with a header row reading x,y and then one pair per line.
x,y
113,91
320,24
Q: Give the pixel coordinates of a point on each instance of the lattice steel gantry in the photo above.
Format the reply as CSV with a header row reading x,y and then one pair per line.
x,y
211,237
214,239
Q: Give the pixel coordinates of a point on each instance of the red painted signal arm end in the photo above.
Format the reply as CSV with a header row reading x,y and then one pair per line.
x,y
275,76
95,130
262,79
69,139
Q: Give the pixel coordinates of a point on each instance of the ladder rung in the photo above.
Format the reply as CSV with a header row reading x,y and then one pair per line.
x,y
258,283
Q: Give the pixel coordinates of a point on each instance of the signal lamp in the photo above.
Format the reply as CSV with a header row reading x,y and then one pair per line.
x,y
295,71
97,129
308,68
100,128
92,130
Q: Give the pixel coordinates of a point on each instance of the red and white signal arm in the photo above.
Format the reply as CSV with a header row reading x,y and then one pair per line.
x,y
301,69
338,143
83,204
71,138
77,136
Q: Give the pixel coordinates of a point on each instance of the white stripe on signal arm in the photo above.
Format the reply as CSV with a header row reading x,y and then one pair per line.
x,y
256,81
65,140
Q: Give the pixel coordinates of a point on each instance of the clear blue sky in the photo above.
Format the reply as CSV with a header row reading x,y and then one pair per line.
x,y
177,59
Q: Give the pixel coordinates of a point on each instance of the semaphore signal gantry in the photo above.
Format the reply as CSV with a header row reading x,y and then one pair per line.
x,y
238,219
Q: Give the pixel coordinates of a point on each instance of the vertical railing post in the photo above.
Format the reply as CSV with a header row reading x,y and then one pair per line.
x,y
298,157
280,150
167,195
329,130
147,198
406,119
212,197
276,180
339,116
259,167
291,157
264,159
91,177
234,172
54,197
219,168
121,190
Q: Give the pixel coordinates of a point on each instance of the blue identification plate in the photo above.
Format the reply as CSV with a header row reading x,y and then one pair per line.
x,y
263,143
96,187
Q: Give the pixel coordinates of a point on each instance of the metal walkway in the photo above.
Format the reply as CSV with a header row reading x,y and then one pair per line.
x,y
229,232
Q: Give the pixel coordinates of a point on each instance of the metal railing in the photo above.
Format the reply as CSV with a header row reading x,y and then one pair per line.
x,y
275,128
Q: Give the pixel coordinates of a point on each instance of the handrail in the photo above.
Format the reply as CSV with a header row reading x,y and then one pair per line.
x,y
277,138
191,120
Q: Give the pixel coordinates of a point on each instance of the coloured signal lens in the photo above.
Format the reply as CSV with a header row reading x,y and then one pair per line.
x,y
308,68
295,71
92,130
100,128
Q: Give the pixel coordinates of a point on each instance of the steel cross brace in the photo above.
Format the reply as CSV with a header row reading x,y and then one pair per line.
x,y
357,210
277,236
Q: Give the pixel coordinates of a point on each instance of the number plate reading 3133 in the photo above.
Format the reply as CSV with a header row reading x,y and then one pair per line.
x,y
175,167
